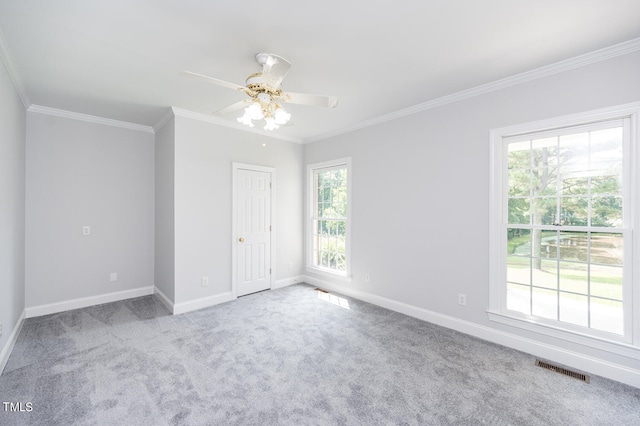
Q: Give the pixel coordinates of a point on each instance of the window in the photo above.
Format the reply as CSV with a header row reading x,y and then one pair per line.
x,y
328,236
563,200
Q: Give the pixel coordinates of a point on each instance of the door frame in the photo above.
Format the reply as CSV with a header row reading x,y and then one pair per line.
x,y
234,211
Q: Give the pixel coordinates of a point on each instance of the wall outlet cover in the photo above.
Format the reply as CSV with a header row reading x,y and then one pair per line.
x,y
462,299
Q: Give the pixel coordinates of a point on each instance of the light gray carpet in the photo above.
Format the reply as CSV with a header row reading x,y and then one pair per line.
x,y
285,357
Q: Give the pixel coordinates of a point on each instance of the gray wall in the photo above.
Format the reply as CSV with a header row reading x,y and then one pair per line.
x,y
420,224
81,173
12,205
164,210
203,156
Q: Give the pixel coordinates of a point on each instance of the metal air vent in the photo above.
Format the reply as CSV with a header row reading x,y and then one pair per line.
x,y
562,370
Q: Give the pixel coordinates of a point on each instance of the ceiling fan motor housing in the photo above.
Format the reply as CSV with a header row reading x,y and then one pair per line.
x,y
255,79
256,87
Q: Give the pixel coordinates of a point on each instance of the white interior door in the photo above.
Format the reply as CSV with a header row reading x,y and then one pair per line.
x,y
253,230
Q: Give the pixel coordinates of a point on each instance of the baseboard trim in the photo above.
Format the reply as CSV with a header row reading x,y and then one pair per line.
x,y
83,302
592,365
205,302
164,299
13,337
287,282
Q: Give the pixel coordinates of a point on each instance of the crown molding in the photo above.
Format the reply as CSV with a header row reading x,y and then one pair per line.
x,y
178,112
12,70
89,118
165,118
535,74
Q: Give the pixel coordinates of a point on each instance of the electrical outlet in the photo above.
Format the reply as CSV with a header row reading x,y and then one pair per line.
x,y
367,278
86,230
113,277
462,299
204,281
290,265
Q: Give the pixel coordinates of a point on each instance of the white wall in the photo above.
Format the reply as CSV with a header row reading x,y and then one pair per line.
x,y
204,153
12,208
164,210
420,202
83,173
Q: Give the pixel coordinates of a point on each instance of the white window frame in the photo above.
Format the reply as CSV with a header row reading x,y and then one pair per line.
x,y
343,276
627,345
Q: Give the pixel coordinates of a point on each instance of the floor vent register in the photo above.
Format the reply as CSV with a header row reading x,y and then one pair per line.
x,y
563,371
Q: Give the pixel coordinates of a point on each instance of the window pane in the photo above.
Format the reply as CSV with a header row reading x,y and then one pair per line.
x,y
544,303
606,248
574,277
519,298
544,152
606,145
519,211
574,185
545,273
543,183
574,151
519,155
607,315
519,270
544,211
519,241
544,244
519,182
606,281
574,246
574,211
324,259
606,211
606,180
574,309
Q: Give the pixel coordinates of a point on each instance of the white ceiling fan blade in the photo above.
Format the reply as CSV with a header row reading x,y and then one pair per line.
x,y
233,107
313,100
213,80
274,68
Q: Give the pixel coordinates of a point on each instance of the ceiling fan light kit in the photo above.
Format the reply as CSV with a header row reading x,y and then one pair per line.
x,y
266,94
273,114
264,106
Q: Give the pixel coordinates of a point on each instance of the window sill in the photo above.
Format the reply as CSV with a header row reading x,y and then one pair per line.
x,y
337,276
612,346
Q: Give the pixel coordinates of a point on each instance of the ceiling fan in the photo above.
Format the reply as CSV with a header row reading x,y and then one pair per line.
x,y
266,94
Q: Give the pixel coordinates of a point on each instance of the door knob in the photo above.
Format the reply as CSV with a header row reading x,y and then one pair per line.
x,y
241,239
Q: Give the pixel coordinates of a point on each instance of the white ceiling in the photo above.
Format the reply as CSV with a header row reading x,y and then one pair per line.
x,y
120,59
